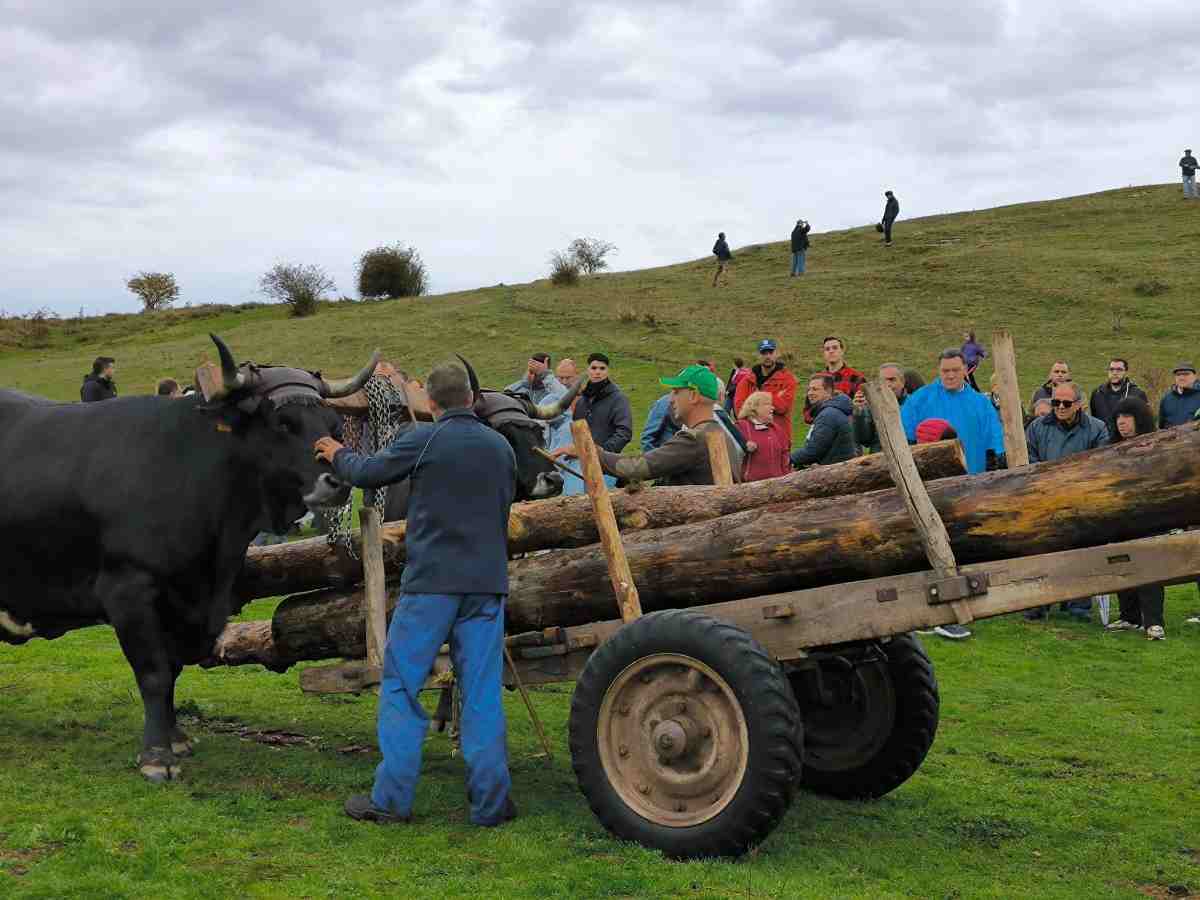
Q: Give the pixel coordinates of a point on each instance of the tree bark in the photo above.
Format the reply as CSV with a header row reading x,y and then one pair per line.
x,y
1134,489
567,521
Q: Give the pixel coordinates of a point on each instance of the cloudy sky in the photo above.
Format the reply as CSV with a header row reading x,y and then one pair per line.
x,y
213,138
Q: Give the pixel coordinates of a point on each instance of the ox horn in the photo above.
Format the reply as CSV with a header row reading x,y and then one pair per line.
x,y
472,378
231,378
555,409
344,387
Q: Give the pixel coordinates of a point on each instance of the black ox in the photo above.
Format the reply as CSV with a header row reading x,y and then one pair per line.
x,y
138,511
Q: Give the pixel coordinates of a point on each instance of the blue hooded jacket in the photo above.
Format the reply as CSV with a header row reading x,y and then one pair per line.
x,y
970,412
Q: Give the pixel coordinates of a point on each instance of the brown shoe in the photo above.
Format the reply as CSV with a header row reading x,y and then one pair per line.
x,y
361,809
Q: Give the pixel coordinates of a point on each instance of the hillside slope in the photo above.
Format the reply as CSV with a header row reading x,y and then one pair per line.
x,y
1080,278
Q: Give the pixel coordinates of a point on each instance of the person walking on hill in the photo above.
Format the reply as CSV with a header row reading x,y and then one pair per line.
x,y
772,376
865,433
1182,402
846,380
831,438
724,258
799,246
891,211
1188,166
766,442
973,355
463,476
1141,609
99,385
1059,372
1117,388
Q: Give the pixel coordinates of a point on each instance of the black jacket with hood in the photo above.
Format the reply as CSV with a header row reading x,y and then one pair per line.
x,y
95,388
608,414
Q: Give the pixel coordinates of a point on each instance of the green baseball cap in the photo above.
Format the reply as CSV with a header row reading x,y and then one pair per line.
x,y
697,378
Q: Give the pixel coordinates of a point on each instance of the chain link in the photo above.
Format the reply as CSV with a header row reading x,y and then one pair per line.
x,y
369,434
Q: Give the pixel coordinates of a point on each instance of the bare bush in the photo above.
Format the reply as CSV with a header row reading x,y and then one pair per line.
x,y
1155,382
156,290
627,313
590,254
300,285
564,269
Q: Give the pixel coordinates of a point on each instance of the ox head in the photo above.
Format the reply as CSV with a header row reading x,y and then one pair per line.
x,y
277,413
519,421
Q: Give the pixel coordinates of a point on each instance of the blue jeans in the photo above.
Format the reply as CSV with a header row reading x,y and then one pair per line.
x,y
1189,185
421,623
798,261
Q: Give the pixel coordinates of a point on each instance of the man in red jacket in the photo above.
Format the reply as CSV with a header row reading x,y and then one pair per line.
x,y
845,379
772,376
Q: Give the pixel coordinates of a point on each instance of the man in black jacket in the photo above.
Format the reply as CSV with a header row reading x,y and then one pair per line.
x,y
606,410
1188,166
799,246
99,384
891,211
1118,387
724,257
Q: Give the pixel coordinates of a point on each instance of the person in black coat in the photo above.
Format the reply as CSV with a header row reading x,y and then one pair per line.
x,y
724,257
799,246
99,384
606,409
891,211
1116,389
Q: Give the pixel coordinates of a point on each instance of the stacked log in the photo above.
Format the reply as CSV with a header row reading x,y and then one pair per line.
x,y
1134,489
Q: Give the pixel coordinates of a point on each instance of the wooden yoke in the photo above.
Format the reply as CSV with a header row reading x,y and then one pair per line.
x,y
1004,357
718,456
886,412
606,522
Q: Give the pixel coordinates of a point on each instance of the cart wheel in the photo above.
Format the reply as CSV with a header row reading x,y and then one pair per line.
x,y
877,719
685,736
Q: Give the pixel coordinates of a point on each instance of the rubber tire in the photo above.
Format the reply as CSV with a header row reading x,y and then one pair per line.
x,y
913,731
772,719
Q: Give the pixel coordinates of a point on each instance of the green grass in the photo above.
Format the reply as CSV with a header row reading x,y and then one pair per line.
x,y
1066,763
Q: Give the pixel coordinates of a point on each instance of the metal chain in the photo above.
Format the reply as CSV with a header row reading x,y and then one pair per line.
x,y
368,435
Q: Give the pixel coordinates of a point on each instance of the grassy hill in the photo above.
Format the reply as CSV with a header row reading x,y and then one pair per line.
x,y
1080,278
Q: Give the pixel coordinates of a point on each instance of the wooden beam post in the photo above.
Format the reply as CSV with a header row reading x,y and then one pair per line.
x,y
606,522
885,410
718,456
1004,358
375,587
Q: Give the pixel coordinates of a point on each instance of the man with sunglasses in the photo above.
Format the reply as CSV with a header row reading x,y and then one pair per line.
x,y
1066,430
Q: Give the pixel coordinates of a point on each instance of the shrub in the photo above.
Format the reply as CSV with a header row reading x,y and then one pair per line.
x,y
627,313
156,290
1151,287
300,285
564,269
395,271
590,253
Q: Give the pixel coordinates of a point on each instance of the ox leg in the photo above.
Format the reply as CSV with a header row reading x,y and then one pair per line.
x,y
129,601
181,744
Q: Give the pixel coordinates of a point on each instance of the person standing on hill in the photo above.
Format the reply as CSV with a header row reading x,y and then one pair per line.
x,y
724,258
891,211
799,246
846,380
1188,165
1180,404
973,355
99,385
1118,388
772,376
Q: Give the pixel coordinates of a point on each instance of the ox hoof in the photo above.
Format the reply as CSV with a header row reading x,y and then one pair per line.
x,y
158,765
181,744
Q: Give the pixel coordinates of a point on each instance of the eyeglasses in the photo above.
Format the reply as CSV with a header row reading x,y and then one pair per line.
x,y
1116,368
1062,404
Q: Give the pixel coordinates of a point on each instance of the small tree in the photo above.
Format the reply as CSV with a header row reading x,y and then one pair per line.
x,y
564,269
395,271
157,290
590,254
300,285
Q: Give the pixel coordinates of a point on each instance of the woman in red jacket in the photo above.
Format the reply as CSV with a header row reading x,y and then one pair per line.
x,y
766,438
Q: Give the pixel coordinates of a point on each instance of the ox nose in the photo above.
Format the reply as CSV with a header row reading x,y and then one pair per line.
x,y
549,484
326,492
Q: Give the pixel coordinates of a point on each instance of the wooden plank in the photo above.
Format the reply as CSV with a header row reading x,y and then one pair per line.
x,y
718,456
374,584
606,523
1004,359
853,612
210,380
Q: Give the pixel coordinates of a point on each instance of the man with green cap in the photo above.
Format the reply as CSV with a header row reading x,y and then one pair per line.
x,y
684,458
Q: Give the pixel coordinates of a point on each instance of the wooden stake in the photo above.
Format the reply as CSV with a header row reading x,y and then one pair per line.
x,y
606,522
885,410
718,456
374,582
1004,358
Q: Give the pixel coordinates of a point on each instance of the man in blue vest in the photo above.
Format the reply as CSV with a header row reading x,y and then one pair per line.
x,y
463,477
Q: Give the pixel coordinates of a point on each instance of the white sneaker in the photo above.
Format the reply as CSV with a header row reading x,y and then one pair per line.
x,y
1122,625
1194,620
1155,633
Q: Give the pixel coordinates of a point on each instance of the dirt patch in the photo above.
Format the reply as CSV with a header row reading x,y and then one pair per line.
x,y
270,737
1163,891
19,862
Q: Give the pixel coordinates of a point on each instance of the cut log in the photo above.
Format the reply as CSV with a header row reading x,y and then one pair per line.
x,y
567,521
243,643
1136,488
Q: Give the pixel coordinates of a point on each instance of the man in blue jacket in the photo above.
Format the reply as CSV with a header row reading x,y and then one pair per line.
x,y
1180,404
831,437
969,412
463,477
